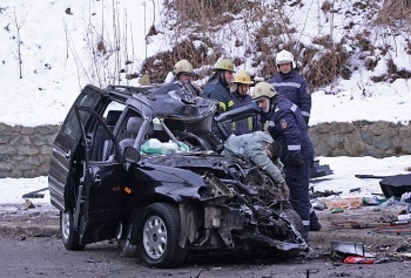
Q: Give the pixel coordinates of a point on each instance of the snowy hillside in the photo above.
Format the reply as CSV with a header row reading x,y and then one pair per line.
x,y
51,49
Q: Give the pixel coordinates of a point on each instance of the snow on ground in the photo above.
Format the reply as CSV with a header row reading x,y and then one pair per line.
x,y
342,180
55,49
12,190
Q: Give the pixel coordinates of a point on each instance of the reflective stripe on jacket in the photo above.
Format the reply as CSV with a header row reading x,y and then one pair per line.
x,y
295,88
221,94
243,126
287,127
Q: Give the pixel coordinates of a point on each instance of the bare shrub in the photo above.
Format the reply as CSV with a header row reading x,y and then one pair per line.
x,y
268,68
211,11
364,42
101,47
325,65
159,65
393,73
393,11
272,31
326,6
324,41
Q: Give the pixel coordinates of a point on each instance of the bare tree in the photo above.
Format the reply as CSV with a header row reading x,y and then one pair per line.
x,y
19,24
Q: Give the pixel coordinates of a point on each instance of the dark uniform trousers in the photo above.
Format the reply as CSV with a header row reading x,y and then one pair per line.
x,y
298,181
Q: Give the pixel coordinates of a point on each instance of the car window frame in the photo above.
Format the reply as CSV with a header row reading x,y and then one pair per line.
x,y
84,130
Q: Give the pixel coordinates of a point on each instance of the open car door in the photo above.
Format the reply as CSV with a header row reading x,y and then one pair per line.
x,y
60,176
101,191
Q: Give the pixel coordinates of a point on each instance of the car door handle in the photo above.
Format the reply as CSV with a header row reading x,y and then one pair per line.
x,y
97,179
66,155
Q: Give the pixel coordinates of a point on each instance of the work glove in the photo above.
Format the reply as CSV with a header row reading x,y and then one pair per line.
x,y
285,189
296,163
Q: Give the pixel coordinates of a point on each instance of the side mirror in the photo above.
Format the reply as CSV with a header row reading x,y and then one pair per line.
x,y
131,155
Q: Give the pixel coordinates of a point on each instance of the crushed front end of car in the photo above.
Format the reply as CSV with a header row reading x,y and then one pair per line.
x,y
239,208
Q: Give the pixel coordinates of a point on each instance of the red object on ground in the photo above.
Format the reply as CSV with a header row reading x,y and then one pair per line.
x,y
358,260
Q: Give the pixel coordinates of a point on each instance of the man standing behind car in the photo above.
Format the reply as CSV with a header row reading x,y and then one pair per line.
x,y
218,87
260,148
241,97
183,71
287,127
289,84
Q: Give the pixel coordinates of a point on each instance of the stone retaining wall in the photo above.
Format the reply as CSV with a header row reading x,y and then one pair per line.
x,y
361,138
25,151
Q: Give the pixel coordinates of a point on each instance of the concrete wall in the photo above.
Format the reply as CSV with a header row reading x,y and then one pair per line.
x,y
25,151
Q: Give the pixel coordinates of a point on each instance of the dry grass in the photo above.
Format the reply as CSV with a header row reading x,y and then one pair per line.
x,y
393,12
159,66
211,12
325,66
393,73
323,60
270,37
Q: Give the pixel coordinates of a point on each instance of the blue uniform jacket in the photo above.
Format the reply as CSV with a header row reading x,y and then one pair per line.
x,y
245,125
295,88
220,93
286,125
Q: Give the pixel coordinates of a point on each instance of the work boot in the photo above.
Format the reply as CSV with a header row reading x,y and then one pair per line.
x,y
315,225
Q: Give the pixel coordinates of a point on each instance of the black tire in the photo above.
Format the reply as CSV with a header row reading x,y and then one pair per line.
x,y
70,237
158,237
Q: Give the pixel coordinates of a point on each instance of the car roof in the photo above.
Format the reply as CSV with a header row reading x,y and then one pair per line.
x,y
172,100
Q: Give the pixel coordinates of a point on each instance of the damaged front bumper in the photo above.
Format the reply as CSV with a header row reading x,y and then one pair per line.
x,y
277,244
229,219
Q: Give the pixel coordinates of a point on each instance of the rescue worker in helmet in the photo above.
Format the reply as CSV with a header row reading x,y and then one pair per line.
x,y
241,97
259,148
218,86
182,72
287,127
289,84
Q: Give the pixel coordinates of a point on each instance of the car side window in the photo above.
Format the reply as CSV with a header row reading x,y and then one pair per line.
x,y
71,126
124,131
112,114
98,140
101,149
101,146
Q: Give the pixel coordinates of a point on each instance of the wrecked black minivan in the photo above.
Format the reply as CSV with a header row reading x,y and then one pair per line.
x,y
140,164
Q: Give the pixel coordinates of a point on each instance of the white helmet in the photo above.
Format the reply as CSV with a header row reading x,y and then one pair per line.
x,y
284,57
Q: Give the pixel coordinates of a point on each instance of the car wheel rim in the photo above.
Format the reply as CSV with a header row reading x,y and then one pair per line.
x,y
155,237
65,225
